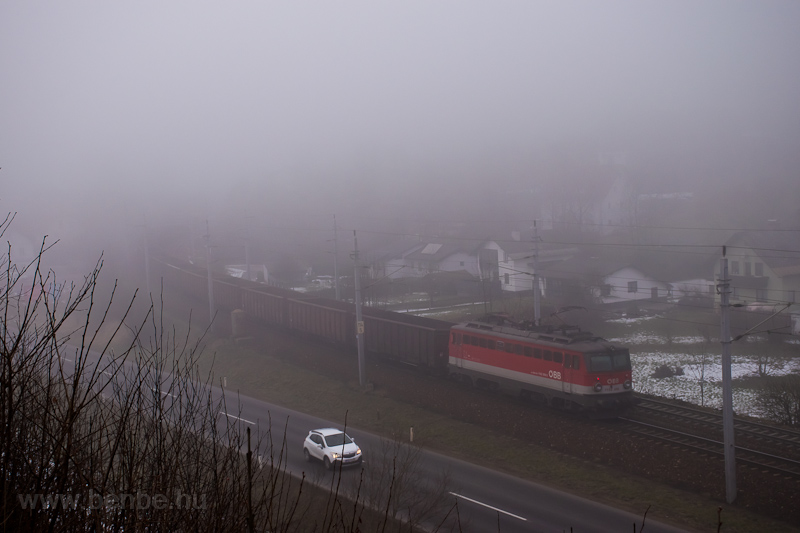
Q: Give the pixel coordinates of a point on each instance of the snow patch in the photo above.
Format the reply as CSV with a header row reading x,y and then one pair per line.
x,y
701,382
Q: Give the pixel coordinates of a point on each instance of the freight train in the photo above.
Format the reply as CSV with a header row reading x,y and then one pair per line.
x,y
558,366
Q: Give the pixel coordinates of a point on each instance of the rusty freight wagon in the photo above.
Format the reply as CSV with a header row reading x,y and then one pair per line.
x,y
403,338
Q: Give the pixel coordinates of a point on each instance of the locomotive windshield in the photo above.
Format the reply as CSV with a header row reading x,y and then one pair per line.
x,y
610,361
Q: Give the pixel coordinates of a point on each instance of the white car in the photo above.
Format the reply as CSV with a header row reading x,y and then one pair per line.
x,y
331,446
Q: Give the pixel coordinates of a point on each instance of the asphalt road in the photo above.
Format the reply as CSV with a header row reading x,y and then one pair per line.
x,y
440,492
485,500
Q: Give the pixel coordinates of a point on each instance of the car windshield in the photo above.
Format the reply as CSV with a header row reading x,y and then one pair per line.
x,y
337,439
609,362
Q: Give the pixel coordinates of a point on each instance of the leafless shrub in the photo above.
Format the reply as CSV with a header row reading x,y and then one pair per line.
x,y
766,363
698,371
779,399
666,371
396,485
93,439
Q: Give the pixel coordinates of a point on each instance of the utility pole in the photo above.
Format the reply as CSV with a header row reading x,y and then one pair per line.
x,y
727,386
336,260
537,312
362,373
211,310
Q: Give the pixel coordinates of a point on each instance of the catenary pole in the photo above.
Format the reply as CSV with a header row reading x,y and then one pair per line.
x,y
211,310
537,312
336,260
727,386
362,372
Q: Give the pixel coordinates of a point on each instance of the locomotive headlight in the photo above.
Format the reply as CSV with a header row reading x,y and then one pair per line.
x,y
598,387
627,384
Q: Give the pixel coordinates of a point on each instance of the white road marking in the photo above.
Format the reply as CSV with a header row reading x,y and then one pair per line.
x,y
242,419
489,506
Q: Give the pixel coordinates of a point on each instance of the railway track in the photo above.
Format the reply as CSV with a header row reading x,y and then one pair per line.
x,y
768,448
756,434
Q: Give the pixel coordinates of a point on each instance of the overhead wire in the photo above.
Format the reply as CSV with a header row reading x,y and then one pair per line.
x,y
671,246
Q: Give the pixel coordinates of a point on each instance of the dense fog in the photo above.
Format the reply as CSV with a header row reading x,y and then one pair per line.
x,y
263,120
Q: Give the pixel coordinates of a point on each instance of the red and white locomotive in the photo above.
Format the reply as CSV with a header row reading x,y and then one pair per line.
x,y
560,366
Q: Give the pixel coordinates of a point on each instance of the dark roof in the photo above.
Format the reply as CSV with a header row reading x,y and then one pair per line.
x,y
676,263
780,250
582,265
436,251
513,247
392,249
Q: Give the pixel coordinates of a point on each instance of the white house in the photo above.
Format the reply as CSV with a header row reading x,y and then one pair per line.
x,y
693,287
629,284
604,276
257,272
418,259
510,262
764,268
515,262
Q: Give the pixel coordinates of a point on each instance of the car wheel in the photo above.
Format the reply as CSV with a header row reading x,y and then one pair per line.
x,y
327,463
306,454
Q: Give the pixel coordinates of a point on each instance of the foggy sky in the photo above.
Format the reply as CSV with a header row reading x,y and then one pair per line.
x,y
113,114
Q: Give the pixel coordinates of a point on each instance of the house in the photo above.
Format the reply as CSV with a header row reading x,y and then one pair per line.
x,y
257,273
764,270
605,278
764,267
507,262
684,268
512,263
386,261
616,275
416,259
442,256
628,284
